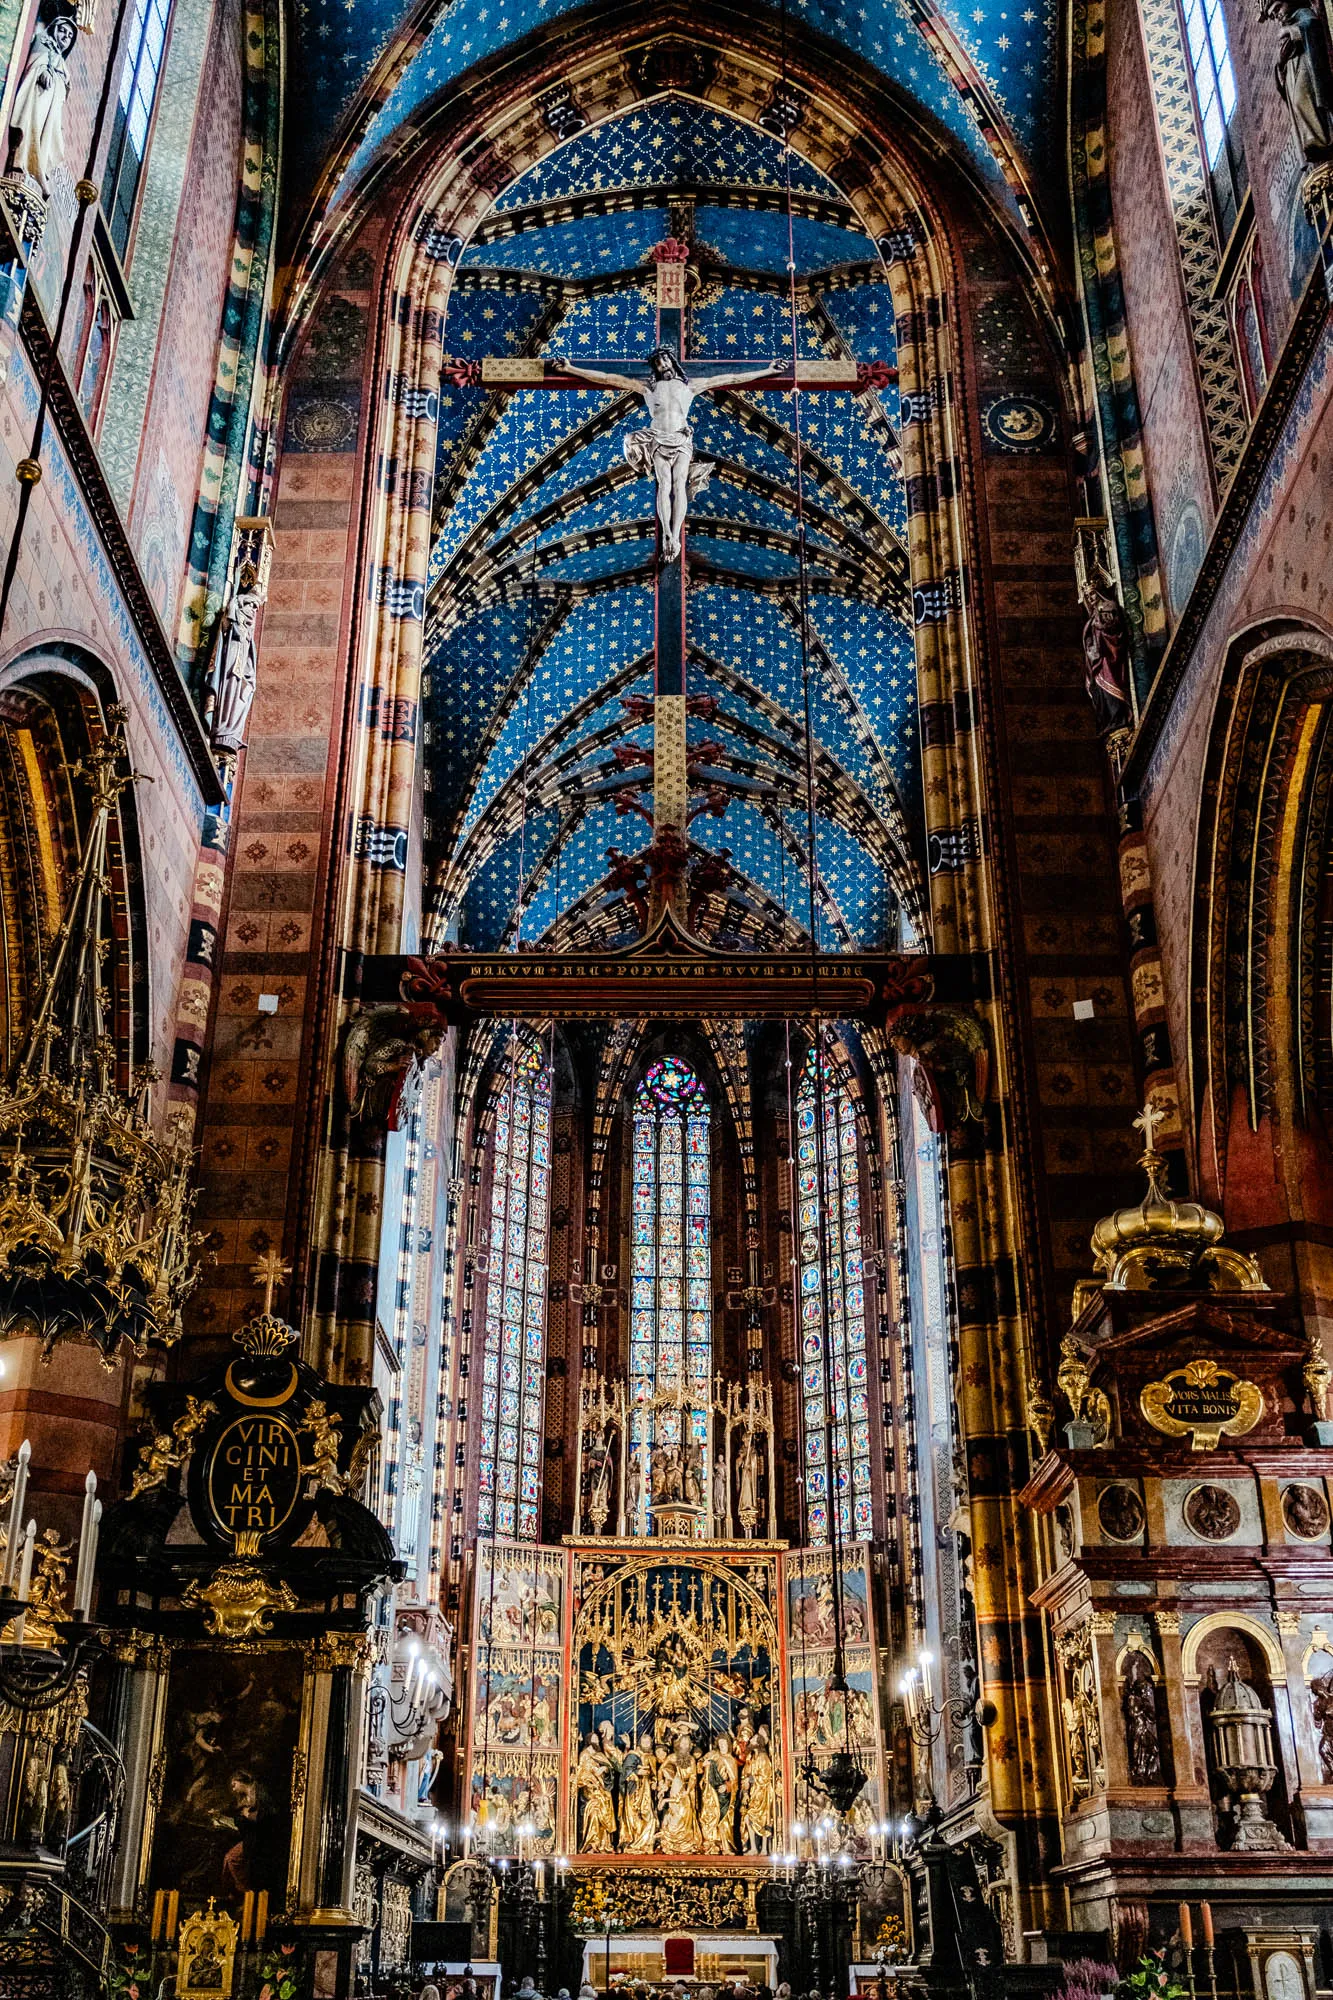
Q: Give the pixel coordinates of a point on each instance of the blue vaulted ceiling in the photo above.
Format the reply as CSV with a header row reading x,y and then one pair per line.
x,y
983,74
540,614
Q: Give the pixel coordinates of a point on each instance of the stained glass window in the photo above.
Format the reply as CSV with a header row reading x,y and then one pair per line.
x,y
671,1298
513,1358
1215,96
833,1356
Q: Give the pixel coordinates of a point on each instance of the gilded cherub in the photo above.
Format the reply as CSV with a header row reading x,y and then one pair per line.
x,y
162,1456
322,1426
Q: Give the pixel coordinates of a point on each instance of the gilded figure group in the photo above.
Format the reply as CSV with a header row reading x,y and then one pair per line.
x,y
664,1794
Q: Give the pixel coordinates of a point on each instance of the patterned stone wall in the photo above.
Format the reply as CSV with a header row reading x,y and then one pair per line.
x,y
284,805
182,345
1175,443
1278,569
1053,808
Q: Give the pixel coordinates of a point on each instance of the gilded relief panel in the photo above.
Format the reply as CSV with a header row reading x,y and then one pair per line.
x,y
679,1738
514,1789
823,1719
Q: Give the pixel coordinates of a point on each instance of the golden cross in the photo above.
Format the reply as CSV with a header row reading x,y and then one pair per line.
x,y
1151,1116
268,1272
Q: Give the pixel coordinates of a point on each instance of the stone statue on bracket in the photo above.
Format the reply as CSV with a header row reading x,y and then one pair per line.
x,y
37,117
236,672
1105,652
1142,1742
1303,73
1321,1703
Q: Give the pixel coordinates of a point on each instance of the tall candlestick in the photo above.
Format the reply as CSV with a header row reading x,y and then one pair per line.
x,y
16,1499
82,1569
25,1577
94,1530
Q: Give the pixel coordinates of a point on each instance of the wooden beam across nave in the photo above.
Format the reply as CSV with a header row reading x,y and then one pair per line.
x,y
667,973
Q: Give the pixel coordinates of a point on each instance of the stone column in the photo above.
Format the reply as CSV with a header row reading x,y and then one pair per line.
x,y
137,1705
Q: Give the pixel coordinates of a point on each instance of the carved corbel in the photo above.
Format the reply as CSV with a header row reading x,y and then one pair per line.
x,y
951,1062
382,1056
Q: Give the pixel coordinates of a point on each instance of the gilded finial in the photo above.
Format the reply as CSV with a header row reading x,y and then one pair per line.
x,y
1164,1243
1151,1116
270,1272
266,1334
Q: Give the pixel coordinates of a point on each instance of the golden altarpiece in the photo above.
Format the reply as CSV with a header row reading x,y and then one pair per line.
x,y
654,1703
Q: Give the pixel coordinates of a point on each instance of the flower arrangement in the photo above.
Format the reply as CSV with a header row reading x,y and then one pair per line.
x,y
127,1972
596,1908
278,1974
1150,1980
890,1939
1087,1979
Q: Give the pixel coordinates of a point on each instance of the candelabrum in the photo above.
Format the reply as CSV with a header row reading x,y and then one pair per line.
x,y
820,1874
926,1715
529,1886
41,1649
63,1781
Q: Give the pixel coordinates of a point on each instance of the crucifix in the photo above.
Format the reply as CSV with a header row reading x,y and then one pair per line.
x,y
268,1274
665,452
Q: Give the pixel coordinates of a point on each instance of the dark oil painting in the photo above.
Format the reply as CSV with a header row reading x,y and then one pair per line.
x,y
225,1822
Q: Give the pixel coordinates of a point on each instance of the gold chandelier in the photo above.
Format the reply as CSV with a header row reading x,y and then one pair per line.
x,y
95,1236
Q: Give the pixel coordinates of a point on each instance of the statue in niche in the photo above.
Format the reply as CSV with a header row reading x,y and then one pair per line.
x,y
720,1517
667,1474
678,1784
593,1780
1105,652
634,1493
598,1453
638,1806
37,118
1321,1704
693,1472
235,674
721,1779
747,1485
757,1796
665,451
1142,1743
1303,73
973,1741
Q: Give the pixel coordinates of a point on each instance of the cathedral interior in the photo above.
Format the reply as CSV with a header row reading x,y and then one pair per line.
x,y
666,999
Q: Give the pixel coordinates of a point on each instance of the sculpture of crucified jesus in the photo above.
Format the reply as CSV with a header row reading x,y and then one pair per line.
x,y
665,451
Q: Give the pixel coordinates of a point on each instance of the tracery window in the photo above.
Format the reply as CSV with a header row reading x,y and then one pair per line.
x,y
833,1355
513,1357
671,1304
135,100
1215,98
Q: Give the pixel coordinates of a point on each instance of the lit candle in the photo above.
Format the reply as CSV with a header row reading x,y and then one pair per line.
x,y
926,1688
1206,1923
1186,1927
83,1574
25,1577
16,1499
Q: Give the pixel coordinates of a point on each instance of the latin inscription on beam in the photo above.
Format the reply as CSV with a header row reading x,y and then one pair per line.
x,y
670,974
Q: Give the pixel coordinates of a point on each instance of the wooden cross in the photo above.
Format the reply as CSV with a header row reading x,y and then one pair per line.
x,y
665,859
270,1272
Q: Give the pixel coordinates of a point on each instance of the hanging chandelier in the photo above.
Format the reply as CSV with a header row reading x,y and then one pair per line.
x,y
95,1236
